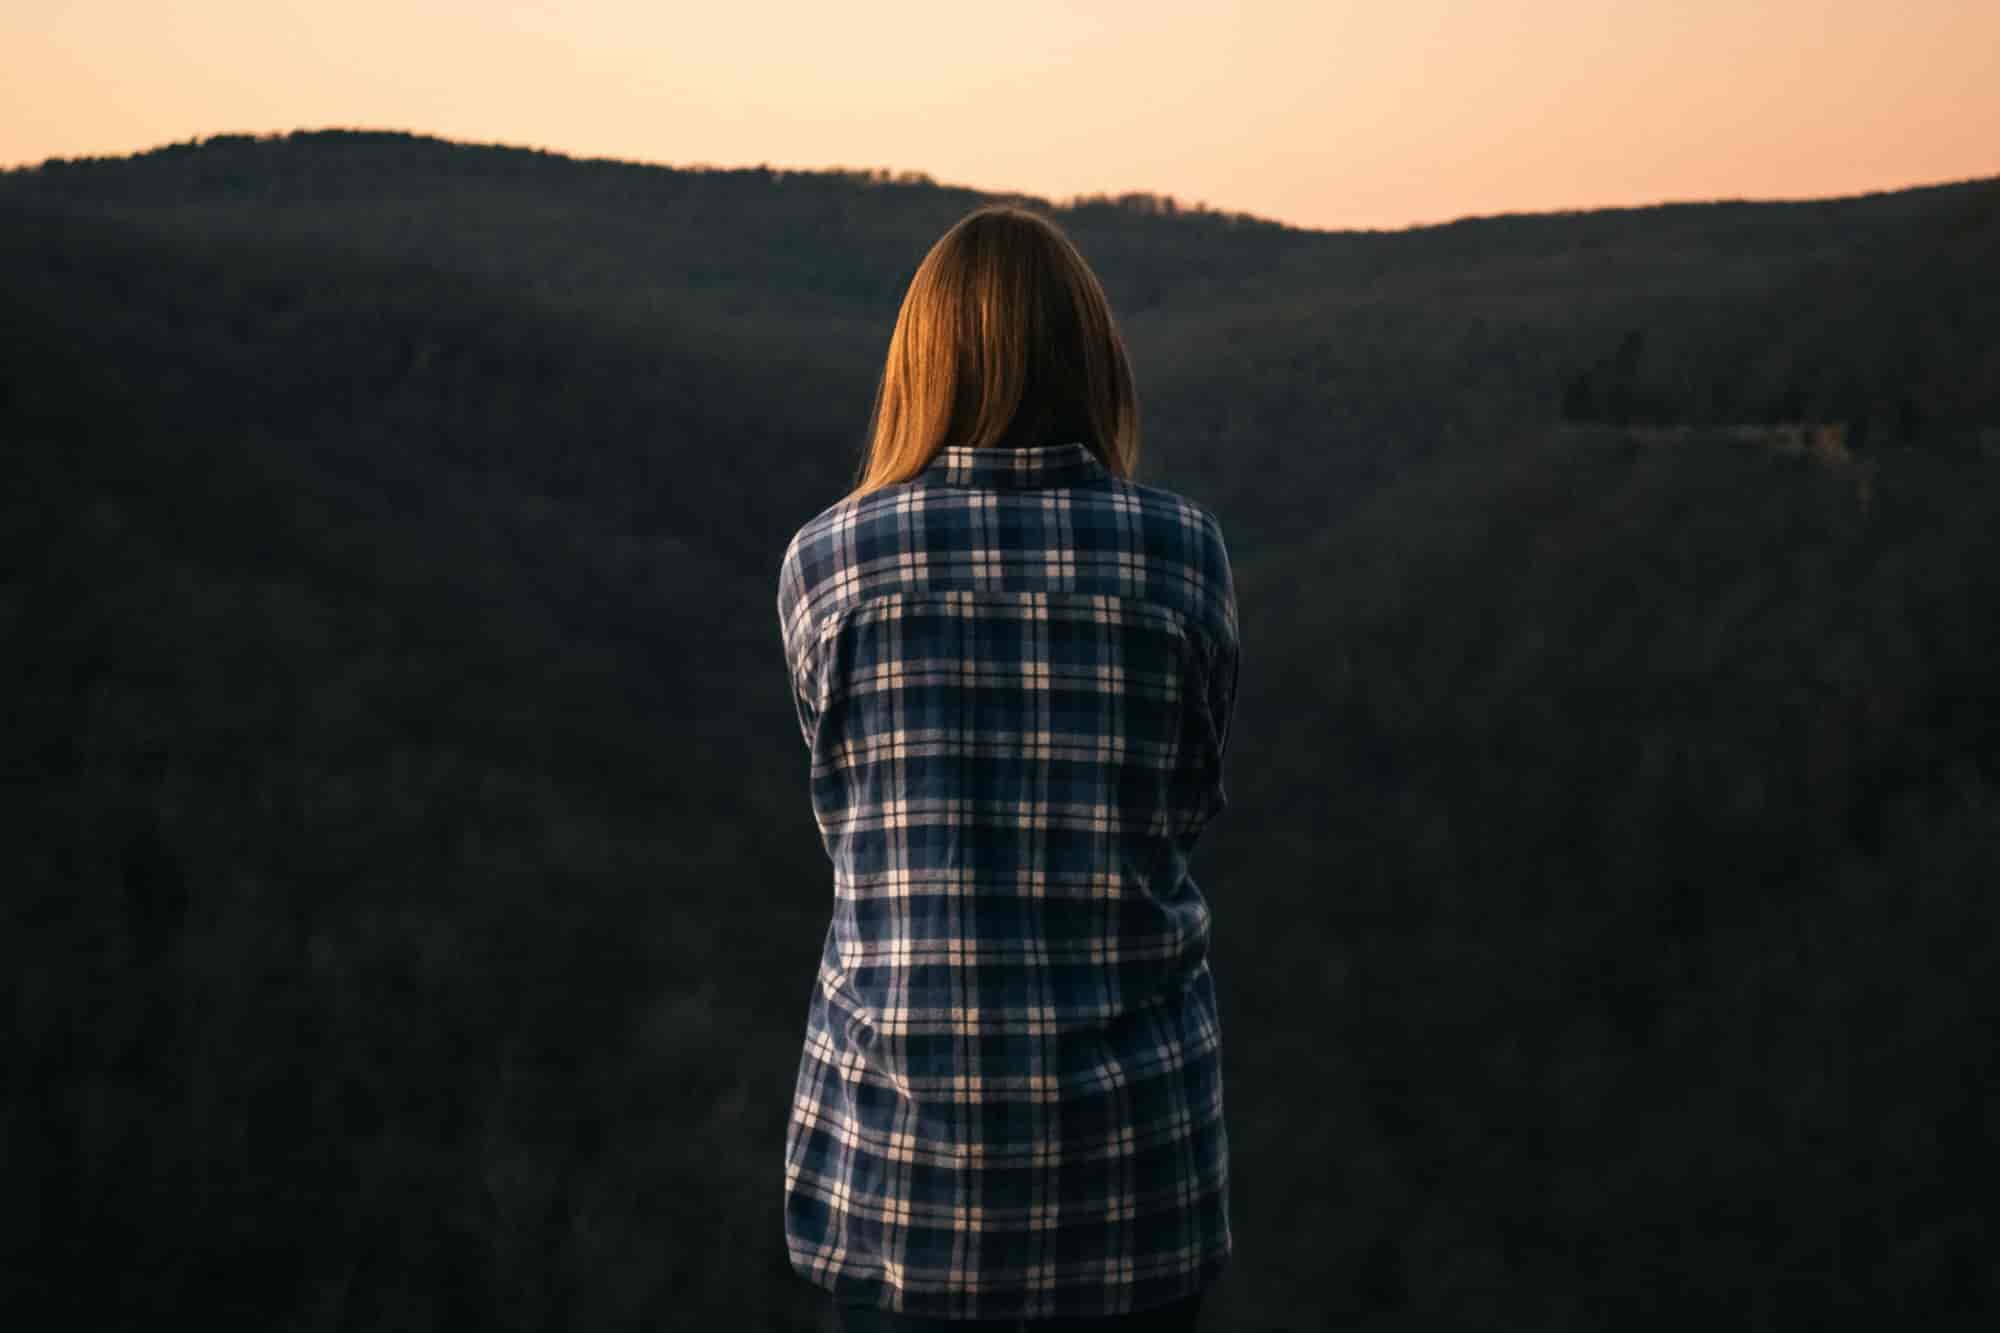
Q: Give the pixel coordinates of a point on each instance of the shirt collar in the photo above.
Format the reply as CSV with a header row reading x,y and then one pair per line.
x,y
1024,468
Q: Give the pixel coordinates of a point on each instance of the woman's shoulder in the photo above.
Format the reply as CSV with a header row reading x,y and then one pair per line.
x,y
1173,507
892,504
911,532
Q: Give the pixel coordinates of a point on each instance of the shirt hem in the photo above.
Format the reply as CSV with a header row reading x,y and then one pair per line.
x,y
875,1293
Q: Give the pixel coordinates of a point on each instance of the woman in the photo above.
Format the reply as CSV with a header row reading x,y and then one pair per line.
x,y
1014,667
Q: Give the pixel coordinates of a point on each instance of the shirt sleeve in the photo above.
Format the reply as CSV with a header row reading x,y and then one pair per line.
x,y
795,634
1219,658
1222,693
1228,649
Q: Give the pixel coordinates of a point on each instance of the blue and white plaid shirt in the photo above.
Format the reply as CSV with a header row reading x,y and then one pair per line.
x,y
1015,673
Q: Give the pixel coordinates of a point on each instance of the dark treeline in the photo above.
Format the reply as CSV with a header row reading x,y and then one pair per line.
x,y
1892,339
418,897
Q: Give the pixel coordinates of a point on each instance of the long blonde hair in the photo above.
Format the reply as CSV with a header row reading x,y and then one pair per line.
x,y
1004,338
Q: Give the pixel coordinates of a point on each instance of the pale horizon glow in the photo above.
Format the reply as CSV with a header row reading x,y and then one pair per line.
x,y
1336,114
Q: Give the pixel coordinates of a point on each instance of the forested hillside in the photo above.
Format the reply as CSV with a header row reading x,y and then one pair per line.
x,y
417,897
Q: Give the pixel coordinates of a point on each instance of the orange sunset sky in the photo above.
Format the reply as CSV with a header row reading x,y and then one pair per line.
x,y
1345,113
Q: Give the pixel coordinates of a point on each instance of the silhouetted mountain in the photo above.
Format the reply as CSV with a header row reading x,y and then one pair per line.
x,y
1251,339
418,898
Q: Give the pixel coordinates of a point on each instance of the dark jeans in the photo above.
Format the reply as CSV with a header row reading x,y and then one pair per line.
x,y
1175,1318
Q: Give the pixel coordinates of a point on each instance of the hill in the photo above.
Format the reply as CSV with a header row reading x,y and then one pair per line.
x,y
1339,358
419,897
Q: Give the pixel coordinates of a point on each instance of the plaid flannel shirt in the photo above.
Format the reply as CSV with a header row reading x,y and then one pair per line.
x,y
1015,674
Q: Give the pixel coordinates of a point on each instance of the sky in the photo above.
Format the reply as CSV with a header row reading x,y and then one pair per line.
x,y
1328,114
